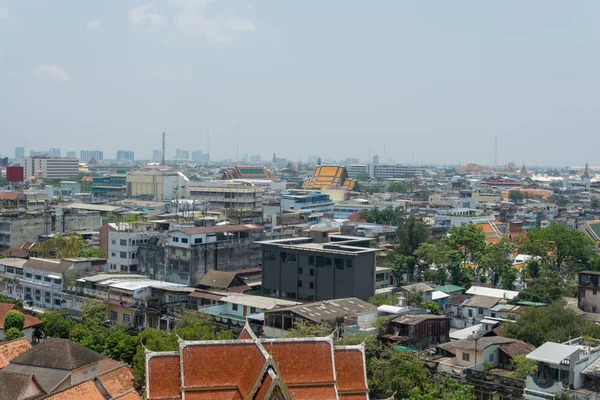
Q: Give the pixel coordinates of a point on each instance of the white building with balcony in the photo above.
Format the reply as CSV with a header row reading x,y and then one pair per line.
x,y
123,247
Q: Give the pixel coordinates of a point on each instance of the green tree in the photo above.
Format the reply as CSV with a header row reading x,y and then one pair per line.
x,y
56,324
516,196
362,177
120,346
12,334
386,216
560,249
61,246
237,214
496,261
194,318
302,328
412,232
398,187
522,366
380,299
414,298
92,252
446,389
553,323
399,373
14,319
433,307
543,289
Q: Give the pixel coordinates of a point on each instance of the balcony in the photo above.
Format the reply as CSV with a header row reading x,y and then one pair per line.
x,y
545,387
95,293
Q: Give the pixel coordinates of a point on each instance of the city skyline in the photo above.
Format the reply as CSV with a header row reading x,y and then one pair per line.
x,y
433,84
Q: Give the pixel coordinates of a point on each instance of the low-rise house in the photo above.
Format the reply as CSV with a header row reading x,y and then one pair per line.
x,y
492,292
419,331
474,310
472,353
441,299
426,290
223,280
452,290
249,368
347,315
30,321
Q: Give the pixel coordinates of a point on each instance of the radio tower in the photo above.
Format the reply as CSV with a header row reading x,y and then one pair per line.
x,y
164,139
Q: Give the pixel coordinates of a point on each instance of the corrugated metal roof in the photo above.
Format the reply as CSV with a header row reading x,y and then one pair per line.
x,y
552,353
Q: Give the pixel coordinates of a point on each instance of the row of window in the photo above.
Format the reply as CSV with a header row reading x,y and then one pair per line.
x,y
175,239
37,295
11,270
114,316
46,279
318,261
311,285
123,242
467,357
235,307
311,271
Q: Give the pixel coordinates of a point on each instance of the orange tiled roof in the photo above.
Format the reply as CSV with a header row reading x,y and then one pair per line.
x,y
250,368
86,390
117,381
132,395
30,320
12,349
325,176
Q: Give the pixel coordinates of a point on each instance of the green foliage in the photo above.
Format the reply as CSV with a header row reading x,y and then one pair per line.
x,y
302,328
194,318
398,187
516,196
522,366
92,252
14,319
560,249
12,334
543,289
362,177
380,299
69,246
433,307
412,232
5,300
495,260
553,323
2,256
115,218
94,312
56,324
387,216
446,389
237,214
414,298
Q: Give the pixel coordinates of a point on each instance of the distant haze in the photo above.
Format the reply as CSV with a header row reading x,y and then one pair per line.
x,y
437,81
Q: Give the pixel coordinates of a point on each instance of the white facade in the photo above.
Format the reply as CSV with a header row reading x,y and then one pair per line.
x,y
122,249
52,168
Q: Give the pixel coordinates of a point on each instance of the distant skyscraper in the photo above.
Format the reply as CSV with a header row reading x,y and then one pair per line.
x,y
182,154
156,155
33,153
375,159
87,155
54,153
125,155
71,154
255,158
199,156
19,152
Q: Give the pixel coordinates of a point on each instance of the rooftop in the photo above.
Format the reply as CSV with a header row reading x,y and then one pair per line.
x,y
492,292
220,229
479,344
328,310
57,353
552,353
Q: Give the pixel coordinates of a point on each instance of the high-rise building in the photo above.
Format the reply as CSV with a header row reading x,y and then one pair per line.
x,y
375,159
87,155
199,156
55,153
19,152
182,154
312,159
48,167
255,158
125,155
71,154
34,153
156,155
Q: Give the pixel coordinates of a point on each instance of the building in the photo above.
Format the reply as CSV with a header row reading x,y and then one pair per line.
x,y
355,170
54,153
123,245
588,299
419,331
157,185
87,155
106,188
346,315
387,171
252,368
125,156
182,154
231,195
19,152
156,156
199,157
49,167
471,353
185,255
329,176
255,158
321,267
249,173
307,201
346,208
71,154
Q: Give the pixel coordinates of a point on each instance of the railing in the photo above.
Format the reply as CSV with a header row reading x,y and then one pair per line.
x,y
95,293
551,386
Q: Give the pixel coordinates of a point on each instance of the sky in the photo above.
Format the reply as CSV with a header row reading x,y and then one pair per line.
x,y
414,81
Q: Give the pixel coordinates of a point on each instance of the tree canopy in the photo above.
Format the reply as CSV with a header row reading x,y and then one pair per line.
x,y
12,334
14,319
386,216
70,246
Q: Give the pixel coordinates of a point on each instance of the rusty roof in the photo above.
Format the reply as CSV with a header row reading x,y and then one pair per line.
x,y
517,348
117,381
86,390
12,349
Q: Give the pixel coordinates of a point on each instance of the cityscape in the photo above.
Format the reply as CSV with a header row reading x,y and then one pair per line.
x,y
242,200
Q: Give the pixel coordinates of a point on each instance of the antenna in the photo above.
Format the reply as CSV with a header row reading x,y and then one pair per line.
x,y
164,139
495,151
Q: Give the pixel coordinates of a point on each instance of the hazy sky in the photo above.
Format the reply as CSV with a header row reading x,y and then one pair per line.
x,y
327,77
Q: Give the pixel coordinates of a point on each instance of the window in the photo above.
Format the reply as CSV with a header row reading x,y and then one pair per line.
x,y
58,281
19,271
311,285
126,318
28,275
594,292
283,256
47,279
466,357
114,316
123,242
27,290
312,272
37,277
470,313
234,307
593,309
37,298
480,311
299,283
268,255
311,260
491,358
38,291
57,302
198,240
133,256
292,257
328,262
123,254
252,310
299,270
113,241
113,254
47,300
184,240
175,239
339,263
348,263
493,315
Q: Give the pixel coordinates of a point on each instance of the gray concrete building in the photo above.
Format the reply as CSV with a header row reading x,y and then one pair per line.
x,y
49,167
320,267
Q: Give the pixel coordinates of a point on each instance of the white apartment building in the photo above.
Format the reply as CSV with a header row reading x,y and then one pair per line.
x,y
123,247
51,168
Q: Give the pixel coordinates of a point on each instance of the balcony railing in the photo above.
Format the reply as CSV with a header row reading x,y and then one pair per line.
x,y
550,386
